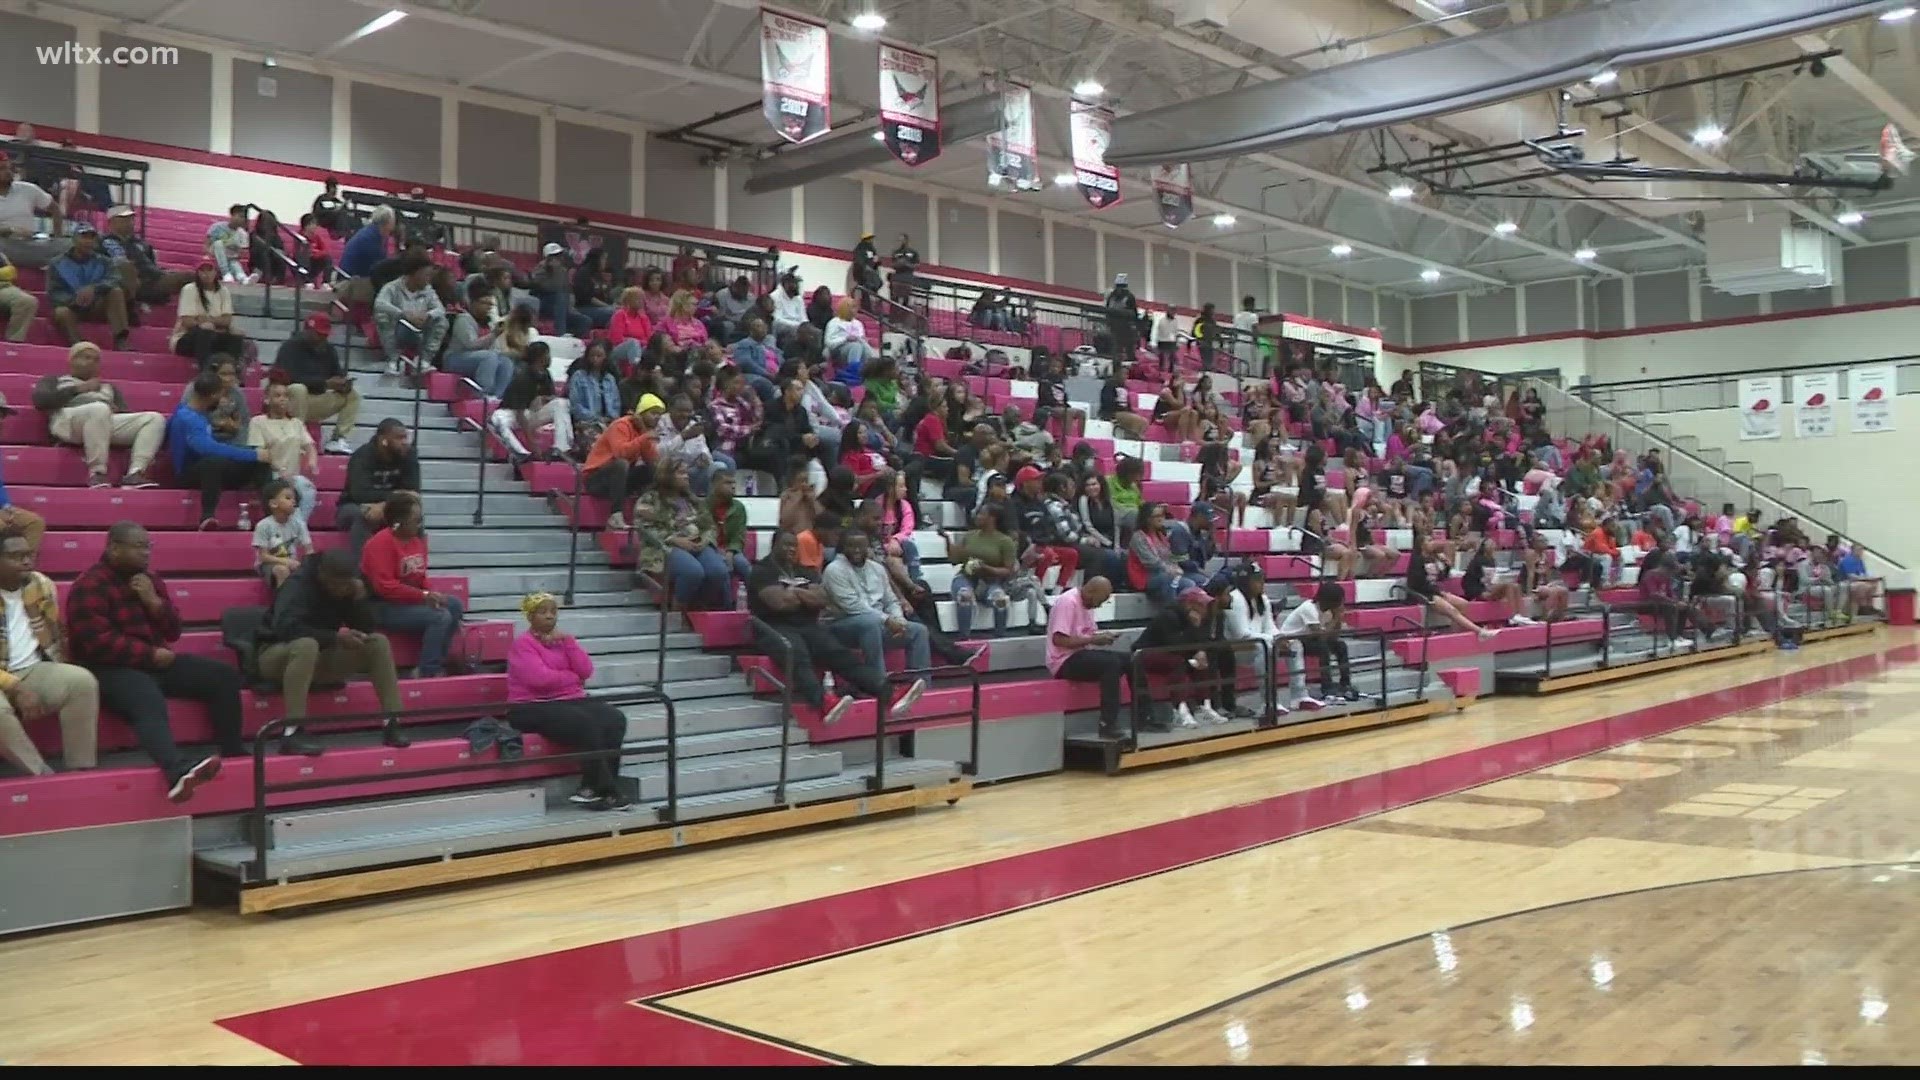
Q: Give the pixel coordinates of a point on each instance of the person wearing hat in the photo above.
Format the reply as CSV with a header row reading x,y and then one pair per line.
x,y
863,270
204,325
552,284
317,381
138,265
82,409
82,284
14,518
19,305
789,307
620,465
1123,321
1185,670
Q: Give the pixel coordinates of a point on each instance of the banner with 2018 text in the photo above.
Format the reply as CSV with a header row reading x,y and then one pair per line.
x,y
910,104
1760,407
1814,395
794,62
1872,389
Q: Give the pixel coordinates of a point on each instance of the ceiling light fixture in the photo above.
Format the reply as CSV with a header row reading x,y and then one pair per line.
x,y
1429,274
1400,191
1506,228
1604,78
1899,14
1064,179
1850,217
1586,254
1225,221
383,22
1088,88
1708,133
869,20
879,135
1341,250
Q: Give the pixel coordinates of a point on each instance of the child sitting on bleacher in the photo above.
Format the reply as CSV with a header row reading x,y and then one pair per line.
x,y
280,539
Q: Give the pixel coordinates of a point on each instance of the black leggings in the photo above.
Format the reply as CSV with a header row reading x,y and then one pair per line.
x,y
216,475
1105,667
620,482
201,343
579,724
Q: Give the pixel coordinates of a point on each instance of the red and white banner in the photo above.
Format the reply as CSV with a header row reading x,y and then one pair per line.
x,y
1173,190
1872,390
1010,149
1760,407
1092,133
1814,398
794,65
910,104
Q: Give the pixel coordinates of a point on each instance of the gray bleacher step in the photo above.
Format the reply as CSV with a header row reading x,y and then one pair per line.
x,y
506,582
495,540
731,772
552,546
495,521
445,445
686,667
559,822
623,644
594,623
581,600
685,690
464,476
704,744
442,505
699,715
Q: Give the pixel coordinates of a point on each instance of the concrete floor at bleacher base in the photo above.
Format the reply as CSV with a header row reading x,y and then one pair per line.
x,y
1709,865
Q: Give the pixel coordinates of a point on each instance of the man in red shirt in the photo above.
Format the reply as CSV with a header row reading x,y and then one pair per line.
x,y
394,562
120,624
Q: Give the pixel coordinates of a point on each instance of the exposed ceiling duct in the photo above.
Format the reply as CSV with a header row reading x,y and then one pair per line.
x,y
1491,85
969,119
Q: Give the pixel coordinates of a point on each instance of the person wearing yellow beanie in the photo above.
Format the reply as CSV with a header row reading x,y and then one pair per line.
x,y
620,465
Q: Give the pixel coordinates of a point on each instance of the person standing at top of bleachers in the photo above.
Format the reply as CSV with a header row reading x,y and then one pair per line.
x,y
122,626
201,459
84,410
327,207
34,677
21,204
408,314
318,385
1123,321
82,285
320,626
387,465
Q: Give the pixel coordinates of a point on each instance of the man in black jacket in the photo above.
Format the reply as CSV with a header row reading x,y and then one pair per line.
x,y
1123,321
321,628
375,473
319,387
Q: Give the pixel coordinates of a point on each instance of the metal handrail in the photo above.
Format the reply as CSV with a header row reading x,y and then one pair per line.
x,y
785,686
556,497
1143,696
883,715
1425,630
663,588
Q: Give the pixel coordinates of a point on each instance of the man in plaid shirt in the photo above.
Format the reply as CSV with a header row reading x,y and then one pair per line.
x,y
120,625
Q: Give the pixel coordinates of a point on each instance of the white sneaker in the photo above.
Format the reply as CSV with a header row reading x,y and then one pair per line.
x,y
337,445
1280,708
1522,620
1488,633
1309,704
1208,714
1184,716
616,522
393,368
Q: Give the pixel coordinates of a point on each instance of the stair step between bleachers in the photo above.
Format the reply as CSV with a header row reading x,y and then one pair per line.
x,y
557,822
645,722
731,772
635,670
694,743
626,644
551,546
504,603
491,539
509,583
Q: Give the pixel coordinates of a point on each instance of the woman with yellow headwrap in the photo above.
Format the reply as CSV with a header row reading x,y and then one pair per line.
x,y
547,673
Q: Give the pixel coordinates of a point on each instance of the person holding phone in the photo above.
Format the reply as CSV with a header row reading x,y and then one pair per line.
x,y
1076,648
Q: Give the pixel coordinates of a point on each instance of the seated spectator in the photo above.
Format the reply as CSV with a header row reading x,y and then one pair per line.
x,y
1424,574
620,465
471,349
846,342
226,242
864,612
686,552
789,308
19,305
737,425
394,563
408,315
204,326
552,285
1116,407
819,544
681,435
1185,671
656,295
280,539
986,563
732,307
267,249
85,411
34,679
531,404
320,628
686,334
14,518
82,285
1151,565
729,523
592,286
547,673
630,328
318,385
757,358
1075,651
364,250
375,473
319,250
593,393
230,413
786,600
201,459
1313,629
21,204
121,626
139,267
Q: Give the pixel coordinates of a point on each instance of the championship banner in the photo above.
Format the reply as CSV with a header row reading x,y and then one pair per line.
x,y
793,75
1760,408
1010,150
1092,133
1813,400
910,104
1173,189
1872,390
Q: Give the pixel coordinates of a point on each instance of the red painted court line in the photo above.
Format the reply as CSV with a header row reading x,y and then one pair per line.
x,y
572,1007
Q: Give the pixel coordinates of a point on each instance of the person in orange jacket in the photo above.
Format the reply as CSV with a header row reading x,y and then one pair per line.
x,y
620,465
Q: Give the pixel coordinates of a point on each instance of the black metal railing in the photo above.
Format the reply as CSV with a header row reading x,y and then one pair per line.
x,y
129,174
883,715
661,587
568,503
783,682
1215,681
1424,628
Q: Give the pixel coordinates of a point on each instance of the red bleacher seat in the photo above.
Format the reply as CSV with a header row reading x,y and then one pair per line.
x,y
156,508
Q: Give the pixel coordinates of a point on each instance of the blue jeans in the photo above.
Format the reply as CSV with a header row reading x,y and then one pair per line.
x,y
304,496
1162,587
600,316
698,576
868,633
967,592
910,553
849,356
435,626
490,370
558,306
1186,550
627,353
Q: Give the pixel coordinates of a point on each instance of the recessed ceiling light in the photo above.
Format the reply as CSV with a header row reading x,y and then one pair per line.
x,y
383,22
1602,78
1586,254
1429,275
1899,14
869,20
1400,191
1506,227
879,135
1089,88
1063,179
1224,221
1341,250
1708,133
1850,217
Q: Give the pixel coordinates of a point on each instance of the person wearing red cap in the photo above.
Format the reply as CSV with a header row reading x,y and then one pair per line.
x,y
1038,527
318,382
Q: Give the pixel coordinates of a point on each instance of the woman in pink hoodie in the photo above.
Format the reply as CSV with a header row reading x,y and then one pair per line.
x,y
547,673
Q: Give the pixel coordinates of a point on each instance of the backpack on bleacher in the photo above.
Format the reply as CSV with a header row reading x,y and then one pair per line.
x,y
240,631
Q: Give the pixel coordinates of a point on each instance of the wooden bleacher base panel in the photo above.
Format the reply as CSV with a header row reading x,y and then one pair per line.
x,y
351,886
1852,629
1649,667
1199,748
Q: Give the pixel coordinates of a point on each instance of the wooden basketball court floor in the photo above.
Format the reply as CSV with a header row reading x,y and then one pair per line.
x,y
1715,865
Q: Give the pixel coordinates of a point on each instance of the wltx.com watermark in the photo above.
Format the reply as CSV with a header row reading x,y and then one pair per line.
x,y
74,53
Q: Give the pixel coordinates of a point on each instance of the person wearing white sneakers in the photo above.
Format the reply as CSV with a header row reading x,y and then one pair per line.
x,y
1424,574
318,385
1313,628
1250,616
1476,583
1185,672
408,313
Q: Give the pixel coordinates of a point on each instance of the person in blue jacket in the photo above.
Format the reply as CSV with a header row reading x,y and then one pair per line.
x,y
203,461
84,284
362,251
